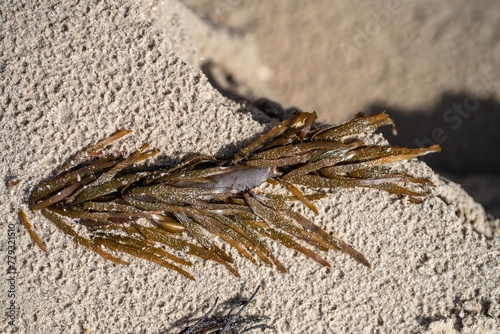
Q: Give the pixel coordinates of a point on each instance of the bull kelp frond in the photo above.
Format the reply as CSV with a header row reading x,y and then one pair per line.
x,y
166,215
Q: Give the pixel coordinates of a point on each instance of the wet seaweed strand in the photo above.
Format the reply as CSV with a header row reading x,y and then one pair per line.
x,y
164,214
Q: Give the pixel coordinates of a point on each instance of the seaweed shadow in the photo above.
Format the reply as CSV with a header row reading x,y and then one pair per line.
x,y
466,128
225,82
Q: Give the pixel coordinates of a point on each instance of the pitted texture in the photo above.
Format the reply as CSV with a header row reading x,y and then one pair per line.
x,y
72,73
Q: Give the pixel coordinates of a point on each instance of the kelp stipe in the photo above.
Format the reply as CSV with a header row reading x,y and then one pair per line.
x,y
164,214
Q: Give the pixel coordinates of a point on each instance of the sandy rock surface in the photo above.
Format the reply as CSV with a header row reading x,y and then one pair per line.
x,y
73,73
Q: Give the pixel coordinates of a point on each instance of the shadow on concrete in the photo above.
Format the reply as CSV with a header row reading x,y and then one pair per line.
x,y
468,130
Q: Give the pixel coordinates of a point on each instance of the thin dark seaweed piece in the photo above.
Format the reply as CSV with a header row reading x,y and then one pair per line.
x,y
232,322
33,235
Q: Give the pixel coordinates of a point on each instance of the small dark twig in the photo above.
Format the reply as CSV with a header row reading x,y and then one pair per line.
x,y
229,323
202,319
243,305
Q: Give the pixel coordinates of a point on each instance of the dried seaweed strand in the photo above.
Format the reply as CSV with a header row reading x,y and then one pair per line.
x,y
229,323
164,214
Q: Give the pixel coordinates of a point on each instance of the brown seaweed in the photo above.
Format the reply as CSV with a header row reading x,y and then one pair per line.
x,y
165,214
